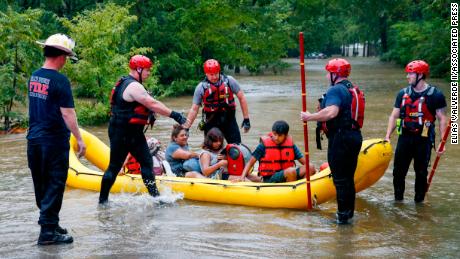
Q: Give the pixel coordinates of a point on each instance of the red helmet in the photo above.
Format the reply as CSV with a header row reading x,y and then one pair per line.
x,y
419,67
340,66
211,66
139,61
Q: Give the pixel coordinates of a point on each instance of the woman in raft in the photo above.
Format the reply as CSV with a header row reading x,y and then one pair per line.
x,y
183,162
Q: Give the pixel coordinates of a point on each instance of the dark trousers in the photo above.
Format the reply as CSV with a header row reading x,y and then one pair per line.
x,y
411,147
226,122
49,165
126,139
342,154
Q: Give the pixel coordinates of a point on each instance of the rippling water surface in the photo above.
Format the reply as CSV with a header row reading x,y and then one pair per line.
x,y
136,226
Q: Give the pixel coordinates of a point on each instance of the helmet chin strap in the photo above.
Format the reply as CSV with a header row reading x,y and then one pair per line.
x,y
139,72
333,78
417,80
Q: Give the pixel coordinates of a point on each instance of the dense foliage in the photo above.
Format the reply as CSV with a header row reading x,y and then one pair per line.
x,y
180,34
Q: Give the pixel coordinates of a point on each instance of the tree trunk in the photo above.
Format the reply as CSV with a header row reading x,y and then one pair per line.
x,y
364,48
383,32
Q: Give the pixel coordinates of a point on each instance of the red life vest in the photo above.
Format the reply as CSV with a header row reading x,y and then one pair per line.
x,y
358,105
130,112
218,98
132,166
414,114
236,158
277,157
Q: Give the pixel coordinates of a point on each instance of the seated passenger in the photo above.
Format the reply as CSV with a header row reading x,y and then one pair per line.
x,y
276,154
131,166
183,162
213,163
238,155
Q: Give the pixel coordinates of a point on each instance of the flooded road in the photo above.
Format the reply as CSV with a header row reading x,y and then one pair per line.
x,y
136,226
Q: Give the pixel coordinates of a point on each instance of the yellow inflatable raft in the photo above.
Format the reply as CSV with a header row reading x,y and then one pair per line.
x,y
373,161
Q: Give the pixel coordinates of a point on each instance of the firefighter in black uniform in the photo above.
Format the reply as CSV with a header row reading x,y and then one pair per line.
x,y
415,110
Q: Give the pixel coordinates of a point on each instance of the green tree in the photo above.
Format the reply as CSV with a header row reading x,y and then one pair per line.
x,y
103,47
18,55
323,23
426,36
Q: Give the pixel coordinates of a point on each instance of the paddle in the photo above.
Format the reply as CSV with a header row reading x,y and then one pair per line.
x,y
441,147
305,128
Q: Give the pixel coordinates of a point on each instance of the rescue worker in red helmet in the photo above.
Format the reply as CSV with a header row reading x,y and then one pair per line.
x,y
217,95
344,138
415,110
130,108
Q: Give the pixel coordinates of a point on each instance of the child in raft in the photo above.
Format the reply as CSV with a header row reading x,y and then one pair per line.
x,y
213,164
131,166
276,154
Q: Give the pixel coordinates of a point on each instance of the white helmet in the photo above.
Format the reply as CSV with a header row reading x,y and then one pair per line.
x,y
62,42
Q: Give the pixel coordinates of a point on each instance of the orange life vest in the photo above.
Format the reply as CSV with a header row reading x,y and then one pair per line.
x,y
277,157
415,114
218,98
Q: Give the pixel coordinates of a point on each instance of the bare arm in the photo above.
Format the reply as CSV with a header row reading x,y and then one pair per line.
x,y
441,115
392,123
136,92
302,160
192,115
70,119
244,104
183,154
248,167
325,114
208,169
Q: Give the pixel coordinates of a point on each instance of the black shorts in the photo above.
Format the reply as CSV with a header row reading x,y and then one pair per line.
x,y
278,177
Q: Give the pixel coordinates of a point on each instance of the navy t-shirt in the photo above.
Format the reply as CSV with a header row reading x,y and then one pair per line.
x,y
339,96
48,90
435,101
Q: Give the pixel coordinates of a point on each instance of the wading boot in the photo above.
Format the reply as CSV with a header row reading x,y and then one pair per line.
x,y
50,236
152,188
61,230
342,218
419,198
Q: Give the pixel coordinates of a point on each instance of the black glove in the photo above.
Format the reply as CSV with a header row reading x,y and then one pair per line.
x,y
246,124
178,117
